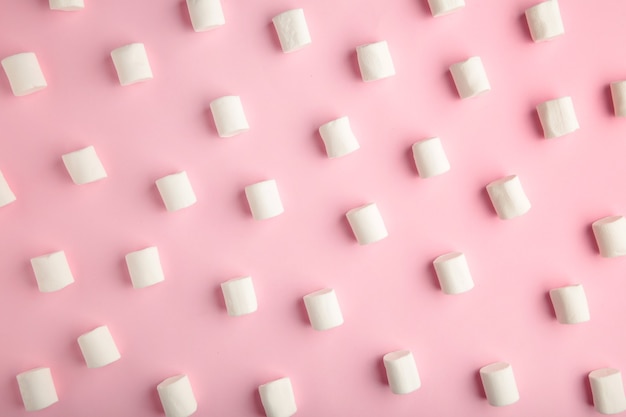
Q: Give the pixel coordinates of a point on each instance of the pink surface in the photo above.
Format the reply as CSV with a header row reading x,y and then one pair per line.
x,y
388,291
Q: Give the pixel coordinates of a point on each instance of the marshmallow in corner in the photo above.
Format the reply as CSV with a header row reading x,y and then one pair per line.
x,y
277,398
205,14
610,234
292,30
443,7
375,61
37,389
131,63
6,194
544,21
618,93
24,73
470,77
67,5
607,390
177,397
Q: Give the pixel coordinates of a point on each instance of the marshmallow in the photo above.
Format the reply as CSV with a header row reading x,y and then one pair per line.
x,y
177,396
277,398
557,117
544,21
264,200
618,92
508,197
6,194
610,233
443,7
338,137
453,273
323,309
239,296
144,267
98,347
84,166
402,374
367,224
470,77
37,389
375,61
292,30
570,304
176,191
205,14
230,120
430,158
24,73
607,390
131,63
499,384
67,5
52,271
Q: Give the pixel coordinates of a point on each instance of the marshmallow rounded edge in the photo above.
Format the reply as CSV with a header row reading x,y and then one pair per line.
x,y
229,117
607,390
499,384
239,296
375,61
205,14
37,389
176,191
430,158
453,273
570,304
264,200
470,77
557,117
323,309
367,224
84,166
444,7
508,197
144,267
618,94
66,5
402,374
131,63
6,194
177,397
24,73
544,21
98,347
292,30
277,398
610,234
52,271
338,138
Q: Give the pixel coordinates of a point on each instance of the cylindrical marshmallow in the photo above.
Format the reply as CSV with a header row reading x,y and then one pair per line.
x,y
401,370
508,197
239,296
607,390
176,191
98,347
453,273
24,73
618,92
292,30
557,117
84,166
144,267
205,14
131,63
338,137
277,398
367,224
570,304
6,194
544,21
470,77
37,389
499,384
52,271
67,5
430,158
375,61
443,7
264,200
230,120
610,233
323,309
177,397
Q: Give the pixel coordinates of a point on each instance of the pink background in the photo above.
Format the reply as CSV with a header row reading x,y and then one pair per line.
x,y
388,292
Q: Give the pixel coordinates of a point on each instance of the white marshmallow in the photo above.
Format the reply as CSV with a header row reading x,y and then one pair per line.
x,y
610,233
367,224
98,347
470,77
323,309
177,396
264,200
6,194
453,273
277,398
570,304
176,191
292,30
607,390
131,63
430,158
37,389
230,120
499,384
375,61
52,271
24,73
67,5
205,14
558,117
338,137
618,92
84,166
144,267
402,374
239,296
508,197
443,7
544,21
